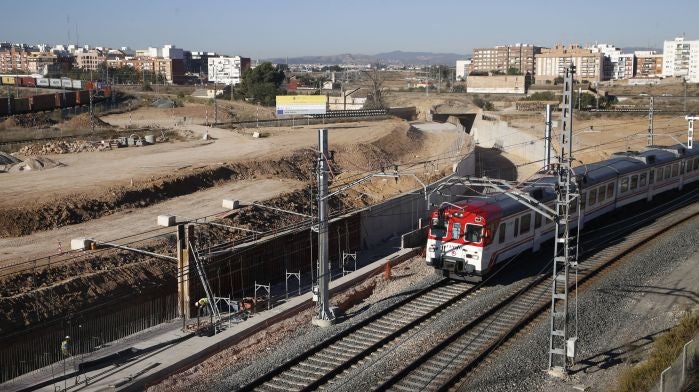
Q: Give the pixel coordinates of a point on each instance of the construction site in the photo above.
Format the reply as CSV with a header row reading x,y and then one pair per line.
x,y
117,225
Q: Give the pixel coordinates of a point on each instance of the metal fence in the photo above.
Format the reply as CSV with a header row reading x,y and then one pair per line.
x,y
30,350
674,377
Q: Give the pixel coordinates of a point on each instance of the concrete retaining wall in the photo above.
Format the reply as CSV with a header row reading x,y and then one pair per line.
x,y
494,133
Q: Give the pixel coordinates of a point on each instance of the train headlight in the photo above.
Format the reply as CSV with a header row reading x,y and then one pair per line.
x,y
459,214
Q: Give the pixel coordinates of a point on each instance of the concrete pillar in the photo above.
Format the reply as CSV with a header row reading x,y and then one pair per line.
x,y
184,234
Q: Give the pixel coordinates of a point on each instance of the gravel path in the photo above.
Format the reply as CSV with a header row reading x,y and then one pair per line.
x,y
620,314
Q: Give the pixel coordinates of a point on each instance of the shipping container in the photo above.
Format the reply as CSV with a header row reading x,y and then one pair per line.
x,y
67,99
55,83
4,109
77,84
8,80
21,105
42,82
66,83
89,85
82,97
43,102
27,81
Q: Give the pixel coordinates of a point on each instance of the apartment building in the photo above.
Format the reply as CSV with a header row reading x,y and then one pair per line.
x,y
648,64
89,59
172,70
41,62
503,57
462,68
551,63
13,58
227,70
681,58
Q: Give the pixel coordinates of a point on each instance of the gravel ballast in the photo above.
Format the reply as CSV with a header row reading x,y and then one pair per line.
x,y
615,328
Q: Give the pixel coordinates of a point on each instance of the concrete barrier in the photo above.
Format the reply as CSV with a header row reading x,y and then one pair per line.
x,y
413,239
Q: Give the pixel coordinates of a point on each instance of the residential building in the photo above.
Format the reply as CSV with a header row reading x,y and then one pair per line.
x,y
551,63
172,52
681,58
462,68
172,70
227,70
503,57
89,59
625,66
42,63
648,64
14,58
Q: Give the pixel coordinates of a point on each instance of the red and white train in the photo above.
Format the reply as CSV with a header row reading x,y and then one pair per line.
x,y
467,239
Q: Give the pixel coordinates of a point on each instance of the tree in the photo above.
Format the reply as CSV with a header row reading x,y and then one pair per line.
x,y
483,104
260,84
377,93
513,71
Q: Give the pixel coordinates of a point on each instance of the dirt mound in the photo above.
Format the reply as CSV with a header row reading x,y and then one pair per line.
x,y
78,208
61,147
398,146
82,121
34,163
33,120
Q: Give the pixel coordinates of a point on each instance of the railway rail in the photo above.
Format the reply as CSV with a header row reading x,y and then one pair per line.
x,y
449,361
453,355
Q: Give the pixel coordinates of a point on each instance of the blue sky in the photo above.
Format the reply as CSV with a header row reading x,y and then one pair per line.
x,y
268,28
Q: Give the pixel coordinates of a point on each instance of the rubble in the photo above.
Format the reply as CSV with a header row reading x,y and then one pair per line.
x,y
61,147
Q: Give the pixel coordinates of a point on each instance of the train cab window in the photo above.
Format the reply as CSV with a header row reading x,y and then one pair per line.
x,y
624,185
455,230
526,224
583,200
602,193
651,177
642,180
516,227
675,169
610,190
592,197
438,228
537,220
667,172
502,232
634,182
474,233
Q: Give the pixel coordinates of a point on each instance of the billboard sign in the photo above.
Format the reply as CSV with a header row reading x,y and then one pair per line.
x,y
301,104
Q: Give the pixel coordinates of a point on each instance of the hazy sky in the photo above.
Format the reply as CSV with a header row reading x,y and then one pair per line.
x,y
267,28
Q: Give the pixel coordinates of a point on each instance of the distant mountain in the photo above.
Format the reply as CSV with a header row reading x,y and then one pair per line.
x,y
396,57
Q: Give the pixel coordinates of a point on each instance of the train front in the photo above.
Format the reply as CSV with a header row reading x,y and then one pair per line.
x,y
457,239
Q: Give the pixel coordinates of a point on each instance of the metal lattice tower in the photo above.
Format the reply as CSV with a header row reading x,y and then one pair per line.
x,y
561,347
323,314
650,122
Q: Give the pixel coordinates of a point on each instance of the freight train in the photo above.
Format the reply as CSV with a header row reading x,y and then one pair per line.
x,y
467,239
74,93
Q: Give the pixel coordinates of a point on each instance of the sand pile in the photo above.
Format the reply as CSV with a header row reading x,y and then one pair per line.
x,y
61,147
34,163
82,121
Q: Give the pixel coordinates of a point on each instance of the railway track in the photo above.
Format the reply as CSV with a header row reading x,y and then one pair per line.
x,y
445,364
452,356
316,366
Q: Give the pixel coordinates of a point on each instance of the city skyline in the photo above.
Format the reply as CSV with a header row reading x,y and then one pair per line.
x,y
270,28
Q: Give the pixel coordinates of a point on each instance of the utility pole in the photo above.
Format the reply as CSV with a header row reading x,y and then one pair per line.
x,y
547,138
92,113
650,122
561,347
324,316
690,130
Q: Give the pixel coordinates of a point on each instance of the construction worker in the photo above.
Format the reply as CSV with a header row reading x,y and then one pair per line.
x,y
203,305
66,346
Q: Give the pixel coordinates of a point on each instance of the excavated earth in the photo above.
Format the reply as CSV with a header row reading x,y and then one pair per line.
x,y
47,292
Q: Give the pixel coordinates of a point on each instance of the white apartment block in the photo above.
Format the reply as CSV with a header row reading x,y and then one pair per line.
x,y
227,70
462,67
681,58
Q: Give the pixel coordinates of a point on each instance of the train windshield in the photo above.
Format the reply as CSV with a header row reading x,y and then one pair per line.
x,y
438,228
474,233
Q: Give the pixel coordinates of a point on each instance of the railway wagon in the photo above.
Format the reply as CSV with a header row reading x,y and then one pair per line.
x,y
20,105
43,102
82,97
467,239
4,106
66,99
42,82
55,83
25,81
